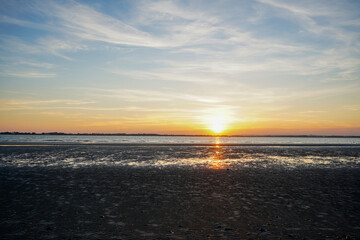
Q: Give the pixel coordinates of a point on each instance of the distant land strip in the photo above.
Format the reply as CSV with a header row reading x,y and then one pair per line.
x,y
40,144
170,135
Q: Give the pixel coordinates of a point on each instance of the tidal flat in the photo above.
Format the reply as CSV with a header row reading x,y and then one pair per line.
x,y
179,192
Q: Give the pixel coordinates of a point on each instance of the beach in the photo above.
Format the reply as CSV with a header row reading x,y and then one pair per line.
x,y
179,119
95,191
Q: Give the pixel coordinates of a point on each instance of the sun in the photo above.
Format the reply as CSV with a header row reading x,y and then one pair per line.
x,y
217,127
217,124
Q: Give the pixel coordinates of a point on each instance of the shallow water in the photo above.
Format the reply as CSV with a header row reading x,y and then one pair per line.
x,y
213,157
177,140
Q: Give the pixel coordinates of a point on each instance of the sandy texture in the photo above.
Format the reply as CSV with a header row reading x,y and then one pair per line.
x,y
267,199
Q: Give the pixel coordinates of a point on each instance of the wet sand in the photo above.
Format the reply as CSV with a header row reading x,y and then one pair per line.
x,y
242,193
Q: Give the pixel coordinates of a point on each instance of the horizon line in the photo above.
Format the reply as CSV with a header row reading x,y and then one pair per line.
x,y
176,135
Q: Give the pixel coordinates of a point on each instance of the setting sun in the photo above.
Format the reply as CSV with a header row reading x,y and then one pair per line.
x,y
217,124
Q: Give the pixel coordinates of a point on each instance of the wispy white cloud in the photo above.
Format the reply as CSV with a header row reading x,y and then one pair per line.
x,y
14,44
176,27
35,64
334,17
169,10
216,70
87,23
300,10
50,101
57,47
31,74
24,23
169,74
139,95
355,108
19,104
41,46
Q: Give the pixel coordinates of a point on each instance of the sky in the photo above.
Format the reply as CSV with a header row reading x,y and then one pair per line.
x,y
180,67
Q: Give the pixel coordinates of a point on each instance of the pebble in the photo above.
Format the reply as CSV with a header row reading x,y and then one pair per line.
x,y
263,230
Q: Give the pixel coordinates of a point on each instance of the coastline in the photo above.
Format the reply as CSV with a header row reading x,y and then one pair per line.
x,y
178,135
9,144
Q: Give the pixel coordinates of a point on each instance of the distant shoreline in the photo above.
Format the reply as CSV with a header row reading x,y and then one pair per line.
x,y
170,135
54,144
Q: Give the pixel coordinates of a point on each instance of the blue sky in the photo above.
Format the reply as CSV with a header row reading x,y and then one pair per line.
x,y
171,66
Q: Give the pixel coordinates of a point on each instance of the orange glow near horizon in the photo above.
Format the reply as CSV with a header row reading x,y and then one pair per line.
x,y
211,122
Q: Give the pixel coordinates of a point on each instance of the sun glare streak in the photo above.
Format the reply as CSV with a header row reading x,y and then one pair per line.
x,y
217,141
217,157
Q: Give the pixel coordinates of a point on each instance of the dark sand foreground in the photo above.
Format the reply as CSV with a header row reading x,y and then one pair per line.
x,y
177,202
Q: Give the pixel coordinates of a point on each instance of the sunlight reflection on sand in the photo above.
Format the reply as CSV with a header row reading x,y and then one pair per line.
x,y
212,157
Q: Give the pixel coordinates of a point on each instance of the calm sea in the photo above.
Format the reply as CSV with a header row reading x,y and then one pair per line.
x,y
177,139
